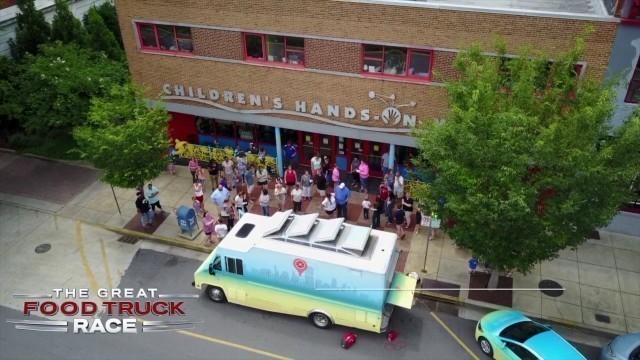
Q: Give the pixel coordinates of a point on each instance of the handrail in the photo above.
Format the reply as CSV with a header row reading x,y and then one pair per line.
x,y
206,153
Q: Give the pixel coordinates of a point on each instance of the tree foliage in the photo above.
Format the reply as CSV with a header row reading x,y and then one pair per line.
x,y
9,71
527,161
101,38
125,138
32,30
107,11
65,27
56,87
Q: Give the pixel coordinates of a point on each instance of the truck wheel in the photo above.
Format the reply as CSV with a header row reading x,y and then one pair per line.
x,y
320,320
216,294
485,346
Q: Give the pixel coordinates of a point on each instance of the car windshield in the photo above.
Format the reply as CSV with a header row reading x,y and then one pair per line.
x,y
522,331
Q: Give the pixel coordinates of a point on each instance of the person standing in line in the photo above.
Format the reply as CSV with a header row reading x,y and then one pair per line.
x,y
384,192
355,165
399,218
366,205
398,186
281,194
207,226
220,229
290,178
290,153
237,179
316,165
202,175
241,202
171,166
197,206
420,220
388,208
407,206
151,193
198,192
214,174
263,176
305,181
296,196
144,209
241,160
329,204
327,170
225,184
227,168
363,171
249,179
378,209
264,202
321,185
390,180
335,176
193,167
342,196
230,211
385,162
262,154
218,197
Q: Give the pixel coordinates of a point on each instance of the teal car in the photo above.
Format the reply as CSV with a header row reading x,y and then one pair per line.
x,y
509,335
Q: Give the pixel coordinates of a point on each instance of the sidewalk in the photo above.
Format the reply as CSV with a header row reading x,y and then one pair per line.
x,y
601,278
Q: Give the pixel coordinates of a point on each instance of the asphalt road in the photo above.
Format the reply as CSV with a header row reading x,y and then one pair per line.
x,y
229,331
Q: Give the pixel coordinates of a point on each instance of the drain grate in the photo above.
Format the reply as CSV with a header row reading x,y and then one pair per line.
x,y
595,235
128,239
550,288
43,248
603,318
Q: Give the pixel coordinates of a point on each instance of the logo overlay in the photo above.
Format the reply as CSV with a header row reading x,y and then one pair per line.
x,y
122,309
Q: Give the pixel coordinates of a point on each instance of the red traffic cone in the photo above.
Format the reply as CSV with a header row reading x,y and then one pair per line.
x,y
348,339
392,335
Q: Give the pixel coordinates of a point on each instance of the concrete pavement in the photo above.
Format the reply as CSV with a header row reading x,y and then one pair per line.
x,y
601,277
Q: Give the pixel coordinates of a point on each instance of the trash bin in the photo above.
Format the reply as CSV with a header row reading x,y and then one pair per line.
x,y
187,219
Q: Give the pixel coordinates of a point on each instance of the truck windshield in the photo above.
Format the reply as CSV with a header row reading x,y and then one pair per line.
x,y
217,264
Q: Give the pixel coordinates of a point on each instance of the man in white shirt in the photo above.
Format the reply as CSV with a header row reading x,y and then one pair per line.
x,y
296,196
227,167
316,165
385,163
220,229
398,186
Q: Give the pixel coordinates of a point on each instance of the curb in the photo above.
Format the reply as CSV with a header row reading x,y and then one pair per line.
x,y
161,239
7,150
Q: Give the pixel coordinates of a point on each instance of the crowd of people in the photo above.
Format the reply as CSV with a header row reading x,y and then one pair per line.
x,y
233,182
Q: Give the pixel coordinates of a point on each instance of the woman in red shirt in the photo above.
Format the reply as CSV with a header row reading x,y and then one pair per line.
x,y
290,178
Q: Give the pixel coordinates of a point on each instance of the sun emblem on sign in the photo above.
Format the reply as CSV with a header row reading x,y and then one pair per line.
x,y
391,114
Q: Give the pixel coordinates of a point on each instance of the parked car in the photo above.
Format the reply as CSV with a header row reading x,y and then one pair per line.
x,y
624,347
509,335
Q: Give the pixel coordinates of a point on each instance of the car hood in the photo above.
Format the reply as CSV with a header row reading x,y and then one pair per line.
x,y
551,346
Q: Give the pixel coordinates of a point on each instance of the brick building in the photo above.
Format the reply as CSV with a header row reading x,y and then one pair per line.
x,y
342,78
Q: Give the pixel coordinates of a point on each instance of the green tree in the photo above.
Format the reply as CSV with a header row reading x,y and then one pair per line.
x,y
527,161
65,27
55,89
9,108
125,138
108,12
101,38
32,30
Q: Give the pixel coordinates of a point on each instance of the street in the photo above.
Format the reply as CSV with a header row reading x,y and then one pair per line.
x,y
229,331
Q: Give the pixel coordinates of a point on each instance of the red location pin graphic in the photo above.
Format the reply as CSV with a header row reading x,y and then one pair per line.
x,y
300,266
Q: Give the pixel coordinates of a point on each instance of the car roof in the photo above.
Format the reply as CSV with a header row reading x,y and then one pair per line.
x,y
625,344
497,321
549,345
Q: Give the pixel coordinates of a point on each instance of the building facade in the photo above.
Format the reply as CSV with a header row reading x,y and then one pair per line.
x,y
338,78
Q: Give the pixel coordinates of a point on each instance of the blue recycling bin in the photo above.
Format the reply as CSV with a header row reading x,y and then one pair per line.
x,y
187,219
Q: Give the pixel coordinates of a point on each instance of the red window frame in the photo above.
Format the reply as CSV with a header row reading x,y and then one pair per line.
x,y
635,80
265,56
157,39
406,75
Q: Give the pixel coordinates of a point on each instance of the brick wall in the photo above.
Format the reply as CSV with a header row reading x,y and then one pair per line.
x,y
333,55
217,43
443,70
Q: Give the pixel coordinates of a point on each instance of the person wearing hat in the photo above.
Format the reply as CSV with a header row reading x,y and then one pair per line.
x,y
343,195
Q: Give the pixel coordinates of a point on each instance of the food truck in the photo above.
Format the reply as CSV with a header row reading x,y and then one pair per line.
x,y
326,270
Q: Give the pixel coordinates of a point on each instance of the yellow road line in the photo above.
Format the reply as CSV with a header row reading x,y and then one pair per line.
x,y
83,256
105,262
455,337
229,344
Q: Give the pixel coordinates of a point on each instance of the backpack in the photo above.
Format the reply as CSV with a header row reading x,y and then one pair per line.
x,y
384,192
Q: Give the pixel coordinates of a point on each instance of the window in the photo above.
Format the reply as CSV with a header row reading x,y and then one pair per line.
x,y
397,61
266,134
284,50
234,266
521,352
523,331
633,94
224,128
165,38
245,230
217,263
205,126
245,131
